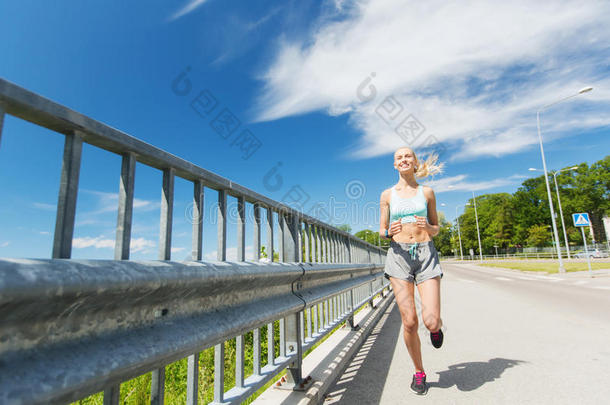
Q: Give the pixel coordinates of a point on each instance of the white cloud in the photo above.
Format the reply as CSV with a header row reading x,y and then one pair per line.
x,y
109,202
461,183
473,74
44,206
141,244
5,244
99,242
187,8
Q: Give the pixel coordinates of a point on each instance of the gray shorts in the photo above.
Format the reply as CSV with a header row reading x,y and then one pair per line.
x,y
413,262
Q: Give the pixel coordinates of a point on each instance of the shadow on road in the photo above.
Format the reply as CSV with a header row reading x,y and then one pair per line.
x,y
364,378
472,375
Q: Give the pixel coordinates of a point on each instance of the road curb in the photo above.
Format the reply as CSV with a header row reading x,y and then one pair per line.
x,y
571,274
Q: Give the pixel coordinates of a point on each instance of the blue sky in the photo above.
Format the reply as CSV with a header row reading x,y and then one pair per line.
x,y
324,86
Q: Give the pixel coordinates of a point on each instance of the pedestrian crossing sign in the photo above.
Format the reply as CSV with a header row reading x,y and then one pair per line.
x,y
581,219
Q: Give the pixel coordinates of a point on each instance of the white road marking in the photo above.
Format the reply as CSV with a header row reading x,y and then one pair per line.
x,y
581,282
464,280
602,287
503,279
526,278
541,277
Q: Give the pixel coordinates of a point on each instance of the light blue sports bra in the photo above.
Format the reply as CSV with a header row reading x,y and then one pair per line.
x,y
405,209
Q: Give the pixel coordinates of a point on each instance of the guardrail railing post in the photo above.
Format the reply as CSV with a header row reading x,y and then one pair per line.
x,y
293,341
327,255
326,312
370,284
256,351
125,211
269,234
68,191
157,387
219,372
318,245
197,218
239,361
331,256
221,253
335,246
112,395
352,308
270,345
302,326
167,208
309,321
192,379
241,229
257,232
336,243
299,241
282,337
307,242
280,239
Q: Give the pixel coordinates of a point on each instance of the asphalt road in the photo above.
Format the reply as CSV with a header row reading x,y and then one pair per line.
x,y
511,338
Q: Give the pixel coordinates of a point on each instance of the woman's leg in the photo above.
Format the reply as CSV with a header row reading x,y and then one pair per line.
x,y
430,294
404,295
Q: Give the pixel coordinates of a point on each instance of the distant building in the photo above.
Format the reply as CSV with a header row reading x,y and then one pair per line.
x,y
607,227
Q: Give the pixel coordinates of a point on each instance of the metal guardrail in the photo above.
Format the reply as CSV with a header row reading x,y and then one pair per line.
x,y
69,328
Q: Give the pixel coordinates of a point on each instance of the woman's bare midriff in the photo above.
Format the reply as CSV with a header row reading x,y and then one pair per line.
x,y
411,233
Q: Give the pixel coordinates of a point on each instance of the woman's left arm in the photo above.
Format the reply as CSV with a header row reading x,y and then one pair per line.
x,y
432,226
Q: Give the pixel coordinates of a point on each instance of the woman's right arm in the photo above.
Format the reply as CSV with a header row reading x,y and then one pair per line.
x,y
384,217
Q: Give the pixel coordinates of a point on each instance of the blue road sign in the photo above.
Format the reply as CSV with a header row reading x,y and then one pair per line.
x,y
581,219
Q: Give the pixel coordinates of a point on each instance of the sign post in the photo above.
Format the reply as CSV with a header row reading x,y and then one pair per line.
x,y
581,220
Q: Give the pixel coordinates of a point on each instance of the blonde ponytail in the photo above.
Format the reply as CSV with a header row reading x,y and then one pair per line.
x,y
429,167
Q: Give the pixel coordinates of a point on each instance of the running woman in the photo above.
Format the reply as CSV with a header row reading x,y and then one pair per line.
x,y
409,220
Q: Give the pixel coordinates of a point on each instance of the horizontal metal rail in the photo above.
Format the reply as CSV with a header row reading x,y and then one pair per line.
x,y
73,327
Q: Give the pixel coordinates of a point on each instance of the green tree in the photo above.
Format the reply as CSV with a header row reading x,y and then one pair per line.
x,y
538,235
345,228
442,241
372,238
276,255
529,207
587,189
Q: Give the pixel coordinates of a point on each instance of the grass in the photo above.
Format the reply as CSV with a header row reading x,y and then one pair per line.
x,y
546,266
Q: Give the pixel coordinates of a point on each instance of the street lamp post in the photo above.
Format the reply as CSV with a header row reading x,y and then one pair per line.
x,y
546,179
476,216
457,219
563,224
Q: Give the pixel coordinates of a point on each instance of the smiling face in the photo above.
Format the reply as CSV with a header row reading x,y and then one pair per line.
x,y
405,160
